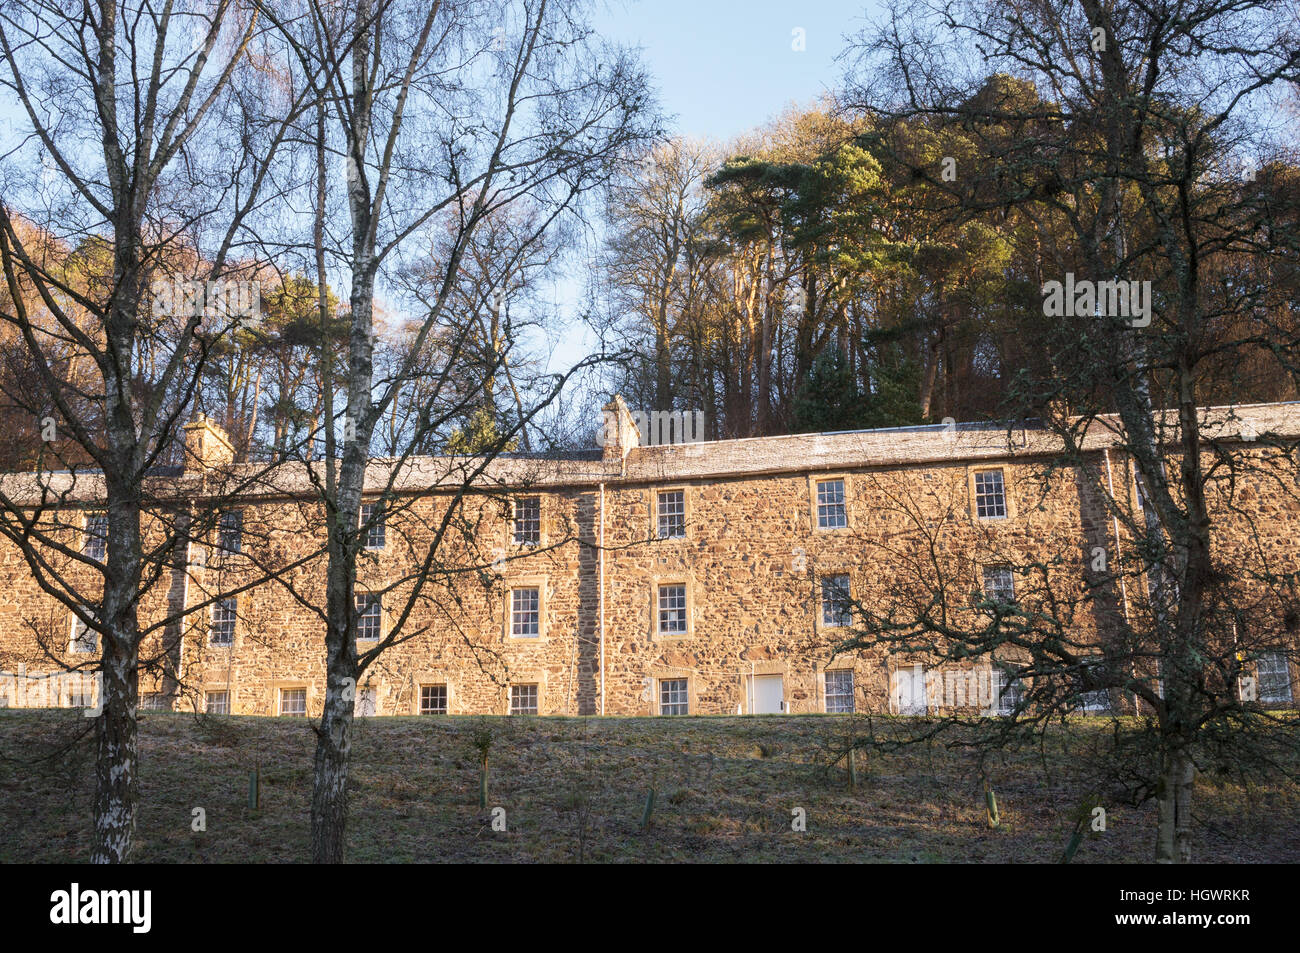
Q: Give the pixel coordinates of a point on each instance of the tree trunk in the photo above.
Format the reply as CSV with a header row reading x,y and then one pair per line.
x,y
928,379
764,415
115,762
1174,800
334,738
329,804
663,348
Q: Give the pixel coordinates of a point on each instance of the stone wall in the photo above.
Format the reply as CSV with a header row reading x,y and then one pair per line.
x,y
751,561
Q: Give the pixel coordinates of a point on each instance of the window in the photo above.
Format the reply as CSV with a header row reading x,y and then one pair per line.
x,y
96,542
1140,485
369,617
523,699
837,607
293,701
223,622
1274,677
672,609
525,614
84,639
1008,691
672,696
374,520
528,521
230,531
672,514
216,703
999,584
433,700
153,701
839,692
81,691
831,511
1098,700
366,704
990,495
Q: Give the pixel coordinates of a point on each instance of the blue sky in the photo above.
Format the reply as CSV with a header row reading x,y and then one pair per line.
x,y
722,67
725,66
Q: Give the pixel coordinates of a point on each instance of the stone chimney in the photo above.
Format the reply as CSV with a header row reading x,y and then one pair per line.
x,y
206,445
619,433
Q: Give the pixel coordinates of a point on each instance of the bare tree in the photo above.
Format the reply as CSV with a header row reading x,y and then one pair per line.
x,y
1127,124
443,115
652,265
156,185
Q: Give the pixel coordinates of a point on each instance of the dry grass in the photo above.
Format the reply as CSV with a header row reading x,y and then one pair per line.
x,y
725,790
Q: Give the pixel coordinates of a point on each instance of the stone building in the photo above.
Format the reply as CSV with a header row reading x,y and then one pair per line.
x,y
704,578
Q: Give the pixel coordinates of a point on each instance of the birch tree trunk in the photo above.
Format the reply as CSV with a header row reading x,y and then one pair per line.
x,y
116,759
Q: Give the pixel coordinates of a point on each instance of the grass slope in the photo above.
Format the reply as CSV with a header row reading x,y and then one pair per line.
x,y
571,788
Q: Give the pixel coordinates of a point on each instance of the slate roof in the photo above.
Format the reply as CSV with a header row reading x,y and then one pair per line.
x,y
715,459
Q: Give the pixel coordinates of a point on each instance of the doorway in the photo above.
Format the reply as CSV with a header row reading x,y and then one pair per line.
x,y
766,694
909,690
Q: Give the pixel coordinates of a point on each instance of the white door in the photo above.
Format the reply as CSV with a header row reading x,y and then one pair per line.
x,y
768,693
909,690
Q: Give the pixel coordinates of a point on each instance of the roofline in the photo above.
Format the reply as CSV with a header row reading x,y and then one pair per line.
x,y
684,462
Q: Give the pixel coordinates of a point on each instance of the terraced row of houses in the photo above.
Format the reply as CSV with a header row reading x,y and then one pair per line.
x,y
718,577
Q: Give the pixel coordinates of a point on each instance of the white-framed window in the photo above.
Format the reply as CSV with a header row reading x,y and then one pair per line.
x,y
671,512
230,531
216,703
1098,700
1008,691
1140,487
222,631
370,617
528,521
1274,677
999,584
525,612
95,544
523,699
366,703
84,639
673,699
837,604
293,702
81,691
672,609
990,495
839,691
433,699
153,701
832,512
374,520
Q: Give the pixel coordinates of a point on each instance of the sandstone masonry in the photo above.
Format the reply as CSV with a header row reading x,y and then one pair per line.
x,y
633,580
